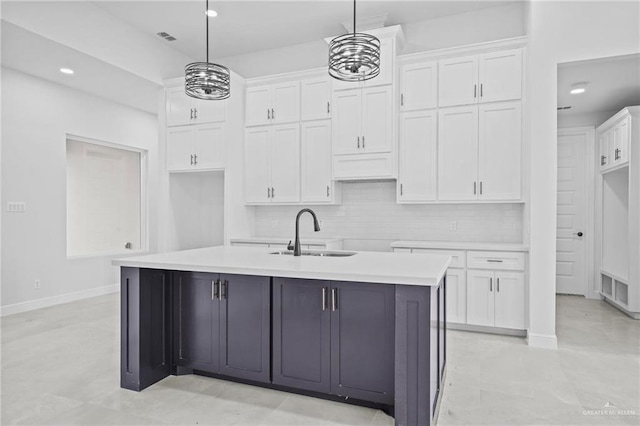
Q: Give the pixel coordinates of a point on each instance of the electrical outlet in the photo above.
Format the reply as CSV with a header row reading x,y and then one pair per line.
x,y
453,225
36,284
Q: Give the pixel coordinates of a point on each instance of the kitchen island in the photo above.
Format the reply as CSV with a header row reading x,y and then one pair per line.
x,y
364,327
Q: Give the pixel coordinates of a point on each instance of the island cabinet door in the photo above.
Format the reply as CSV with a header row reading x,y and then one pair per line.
x,y
301,327
362,341
196,321
245,305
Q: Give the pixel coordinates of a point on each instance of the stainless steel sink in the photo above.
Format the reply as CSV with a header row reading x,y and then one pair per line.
x,y
320,253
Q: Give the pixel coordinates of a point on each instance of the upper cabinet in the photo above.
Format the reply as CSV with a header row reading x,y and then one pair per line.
x,y
315,103
195,148
273,104
614,139
491,77
183,109
318,187
418,156
418,86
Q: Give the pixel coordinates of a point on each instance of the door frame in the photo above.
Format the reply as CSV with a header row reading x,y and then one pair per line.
x,y
590,290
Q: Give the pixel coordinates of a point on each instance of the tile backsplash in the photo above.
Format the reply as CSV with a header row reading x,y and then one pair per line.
x,y
370,219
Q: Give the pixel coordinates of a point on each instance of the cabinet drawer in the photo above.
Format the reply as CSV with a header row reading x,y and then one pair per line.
x,y
513,261
458,257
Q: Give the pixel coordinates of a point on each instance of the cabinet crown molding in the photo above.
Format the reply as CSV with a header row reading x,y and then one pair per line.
x,y
611,122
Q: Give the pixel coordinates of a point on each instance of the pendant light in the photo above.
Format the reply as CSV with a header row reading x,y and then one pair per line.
x,y
354,56
204,80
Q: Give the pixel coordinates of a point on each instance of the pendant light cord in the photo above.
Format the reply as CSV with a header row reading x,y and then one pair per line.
x,y
354,17
207,18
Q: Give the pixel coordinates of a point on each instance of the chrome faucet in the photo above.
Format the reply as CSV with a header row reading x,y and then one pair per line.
x,y
316,228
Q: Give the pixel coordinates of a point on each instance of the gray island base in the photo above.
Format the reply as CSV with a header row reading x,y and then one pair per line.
x,y
292,326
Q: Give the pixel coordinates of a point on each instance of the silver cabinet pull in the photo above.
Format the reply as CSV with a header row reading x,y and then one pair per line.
x,y
481,90
328,107
327,191
334,299
324,298
603,160
494,260
475,90
215,289
191,114
617,154
195,113
268,192
498,285
490,284
191,159
480,187
224,289
273,192
401,99
195,159
401,190
474,188
358,141
363,141
268,114
273,114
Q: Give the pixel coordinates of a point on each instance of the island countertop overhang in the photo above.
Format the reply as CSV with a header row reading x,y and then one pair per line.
x,y
372,267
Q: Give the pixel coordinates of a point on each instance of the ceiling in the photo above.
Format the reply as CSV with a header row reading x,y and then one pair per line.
x,y
248,26
612,84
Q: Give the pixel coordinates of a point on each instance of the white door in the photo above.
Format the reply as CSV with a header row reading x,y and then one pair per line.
x,y
179,107
315,99
456,296
458,81
419,86
211,111
570,248
210,146
180,148
509,299
458,153
500,75
377,121
316,162
346,122
258,106
418,156
286,102
285,163
480,298
500,139
257,177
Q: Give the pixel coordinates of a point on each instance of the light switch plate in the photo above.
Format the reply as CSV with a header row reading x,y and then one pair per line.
x,y
16,207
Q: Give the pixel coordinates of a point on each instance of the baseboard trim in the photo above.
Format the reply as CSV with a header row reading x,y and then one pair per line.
x,y
57,300
487,329
545,341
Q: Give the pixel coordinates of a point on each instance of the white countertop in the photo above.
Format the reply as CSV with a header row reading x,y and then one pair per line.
x,y
374,267
276,240
451,245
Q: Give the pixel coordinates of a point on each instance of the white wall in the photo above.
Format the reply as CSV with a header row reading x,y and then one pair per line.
x,y
560,32
582,120
37,116
370,219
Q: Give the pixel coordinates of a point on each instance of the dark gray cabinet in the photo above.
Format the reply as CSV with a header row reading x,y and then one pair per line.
x,y
221,324
334,337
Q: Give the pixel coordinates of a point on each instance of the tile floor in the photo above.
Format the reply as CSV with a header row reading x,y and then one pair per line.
x,y
60,366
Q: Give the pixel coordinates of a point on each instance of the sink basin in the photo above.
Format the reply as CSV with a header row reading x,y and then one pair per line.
x,y
320,253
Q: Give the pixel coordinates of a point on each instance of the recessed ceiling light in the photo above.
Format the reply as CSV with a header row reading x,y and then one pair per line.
x,y
211,13
578,88
67,71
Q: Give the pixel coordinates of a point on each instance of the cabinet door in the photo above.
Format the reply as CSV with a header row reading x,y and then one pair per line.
x,y
245,339
179,107
480,298
500,75
258,106
285,163
499,145
315,99
509,295
301,327
211,111
377,120
458,153
362,341
458,81
456,296
196,321
257,174
317,185
606,144
419,86
418,156
346,123
210,146
286,102
621,142
180,148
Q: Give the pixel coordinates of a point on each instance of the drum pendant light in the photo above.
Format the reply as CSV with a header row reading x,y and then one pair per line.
x,y
204,80
354,56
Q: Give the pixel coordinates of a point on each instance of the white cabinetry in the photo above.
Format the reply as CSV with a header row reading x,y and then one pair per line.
x,y
479,152
183,109
315,103
273,104
272,164
418,86
614,143
418,156
495,299
317,185
491,77
195,148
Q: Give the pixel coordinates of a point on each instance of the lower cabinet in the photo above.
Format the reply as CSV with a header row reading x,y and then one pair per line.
x,y
456,296
222,324
335,337
495,298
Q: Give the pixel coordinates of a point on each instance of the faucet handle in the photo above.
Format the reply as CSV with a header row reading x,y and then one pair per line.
x,y
289,246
